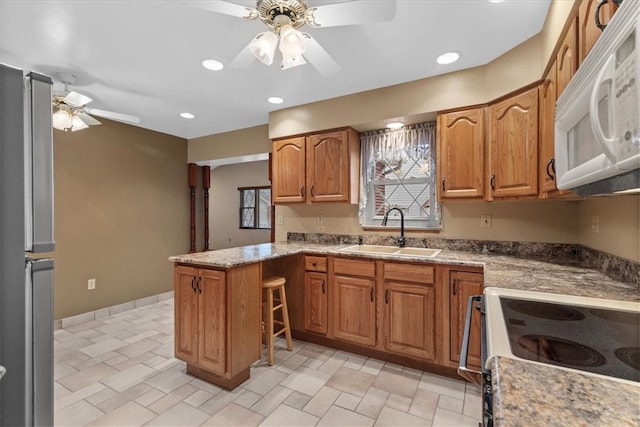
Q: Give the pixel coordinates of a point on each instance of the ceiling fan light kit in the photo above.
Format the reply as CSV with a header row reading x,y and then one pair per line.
x,y
285,17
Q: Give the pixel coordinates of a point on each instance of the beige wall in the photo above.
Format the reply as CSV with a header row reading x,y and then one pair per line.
x,y
225,201
243,142
618,225
121,208
530,221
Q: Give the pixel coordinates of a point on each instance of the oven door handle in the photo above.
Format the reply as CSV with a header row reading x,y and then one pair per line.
x,y
470,375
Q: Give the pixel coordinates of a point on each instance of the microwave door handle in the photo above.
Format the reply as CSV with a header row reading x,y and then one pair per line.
x,y
595,118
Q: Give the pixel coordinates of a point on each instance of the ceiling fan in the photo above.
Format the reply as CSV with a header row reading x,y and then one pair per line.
x,y
283,19
70,112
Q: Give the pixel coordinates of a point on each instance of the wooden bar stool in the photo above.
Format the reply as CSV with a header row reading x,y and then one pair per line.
x,y
273,284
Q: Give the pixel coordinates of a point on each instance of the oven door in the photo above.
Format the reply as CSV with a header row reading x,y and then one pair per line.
x,y
482,377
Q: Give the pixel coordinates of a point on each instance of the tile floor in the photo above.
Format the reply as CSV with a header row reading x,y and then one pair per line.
x,y
120,371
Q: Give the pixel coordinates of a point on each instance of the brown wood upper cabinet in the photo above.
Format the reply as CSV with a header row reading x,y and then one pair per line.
x,y
461,154
567,58
588,31
513,145
320,167
547,92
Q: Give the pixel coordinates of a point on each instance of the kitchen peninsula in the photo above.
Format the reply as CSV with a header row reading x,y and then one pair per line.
x,y
232,341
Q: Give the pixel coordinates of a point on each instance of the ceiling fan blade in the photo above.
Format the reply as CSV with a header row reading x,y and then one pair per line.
x,y
77,99
243,59
111,115
351,13
87,119
319,57
226,8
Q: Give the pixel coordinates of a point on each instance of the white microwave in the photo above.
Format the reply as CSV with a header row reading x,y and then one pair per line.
x,y
597,126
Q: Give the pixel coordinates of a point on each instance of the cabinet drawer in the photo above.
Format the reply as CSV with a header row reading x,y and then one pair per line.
x,y
409,272
315,263
354,267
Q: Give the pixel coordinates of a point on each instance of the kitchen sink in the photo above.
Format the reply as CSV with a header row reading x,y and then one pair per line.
x,y
393,250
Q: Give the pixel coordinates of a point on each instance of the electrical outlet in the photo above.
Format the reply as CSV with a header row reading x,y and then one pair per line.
x,y
280,219
91,284
485,221
595,224
320,219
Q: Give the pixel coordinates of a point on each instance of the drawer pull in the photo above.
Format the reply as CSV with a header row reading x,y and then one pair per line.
x,y
454,286
193,283
323,288
371,294
386,296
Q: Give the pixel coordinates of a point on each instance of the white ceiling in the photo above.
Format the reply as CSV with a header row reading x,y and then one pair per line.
x,y
144,57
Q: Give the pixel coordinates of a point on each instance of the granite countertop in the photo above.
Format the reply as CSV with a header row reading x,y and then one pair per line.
x,y
525,393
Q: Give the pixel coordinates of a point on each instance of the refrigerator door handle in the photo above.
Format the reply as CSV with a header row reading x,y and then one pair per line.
x,y
3,370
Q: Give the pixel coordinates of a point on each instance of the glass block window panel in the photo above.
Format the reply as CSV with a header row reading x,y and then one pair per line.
x,y
255,207
399,171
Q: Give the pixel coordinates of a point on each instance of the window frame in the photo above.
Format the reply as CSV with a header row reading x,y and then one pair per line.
x,y
256,210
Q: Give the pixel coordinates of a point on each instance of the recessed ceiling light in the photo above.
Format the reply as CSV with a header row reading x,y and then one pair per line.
x,y
448,57
496,1
212,64
395,125
187,115
275,100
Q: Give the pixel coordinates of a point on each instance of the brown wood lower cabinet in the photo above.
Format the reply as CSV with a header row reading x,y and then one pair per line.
x,y
217,321
354,301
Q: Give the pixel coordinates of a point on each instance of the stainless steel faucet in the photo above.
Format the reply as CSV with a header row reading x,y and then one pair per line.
x,y
400,240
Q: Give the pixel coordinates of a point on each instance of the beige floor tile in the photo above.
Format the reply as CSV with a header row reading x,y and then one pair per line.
x,y
182,415
129,377
348,401
472,405
247,399
442,385
350,381
400,403
372,402
203,385
292,363
61,370
318,352
77,414
129,414
321,401
170,380
397,382
424,404
390,417
372,366
198,398
332,364
297,400
305,380
341,417
313,363
234,415
122,398
221,400
88,376
264,379
444,418
178,395
285,416
151,396
99,397
102,347
271,400
450,403
70,399
138,347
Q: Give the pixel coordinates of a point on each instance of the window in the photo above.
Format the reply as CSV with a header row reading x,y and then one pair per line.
x,y
398,170
255,207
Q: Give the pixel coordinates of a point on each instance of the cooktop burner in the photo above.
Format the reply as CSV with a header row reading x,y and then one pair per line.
x,y
598,340
551,349
545,311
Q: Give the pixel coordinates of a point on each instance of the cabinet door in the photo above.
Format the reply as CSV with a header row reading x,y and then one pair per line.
x,y
315,302
212,318
328,167
288,170
588,31
567,59
410,319
462,285
186,314
461,154
546,176
354,316
514,145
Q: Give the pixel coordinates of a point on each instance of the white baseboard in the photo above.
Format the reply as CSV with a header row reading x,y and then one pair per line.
x,y
106,312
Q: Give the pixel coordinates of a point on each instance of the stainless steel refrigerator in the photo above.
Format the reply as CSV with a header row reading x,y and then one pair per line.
x,y
26,230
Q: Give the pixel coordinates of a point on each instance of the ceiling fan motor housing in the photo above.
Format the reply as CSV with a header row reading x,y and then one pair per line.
x,y
277,13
